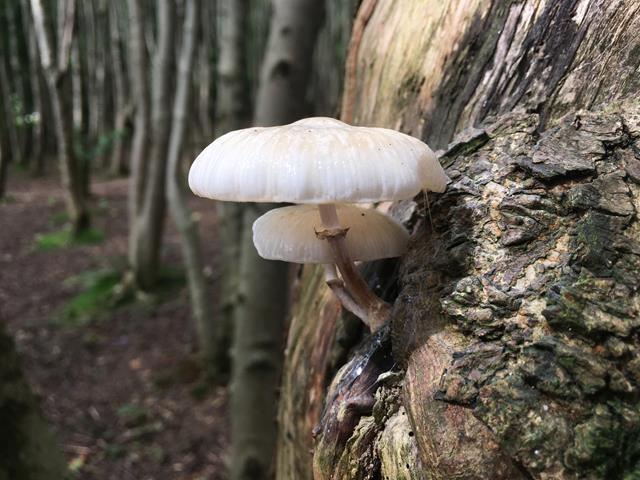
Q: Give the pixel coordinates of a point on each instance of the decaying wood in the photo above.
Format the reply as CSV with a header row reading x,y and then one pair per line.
x,y
515,330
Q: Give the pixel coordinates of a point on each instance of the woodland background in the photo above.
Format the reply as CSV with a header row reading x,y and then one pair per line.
x,y
142,337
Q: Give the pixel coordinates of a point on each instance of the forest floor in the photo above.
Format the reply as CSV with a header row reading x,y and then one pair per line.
x,y
119,384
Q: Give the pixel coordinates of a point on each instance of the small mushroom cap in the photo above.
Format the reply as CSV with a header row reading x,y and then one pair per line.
x,y
289,234
315,160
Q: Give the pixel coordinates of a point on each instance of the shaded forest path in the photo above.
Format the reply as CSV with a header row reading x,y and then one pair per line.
x,y
121,389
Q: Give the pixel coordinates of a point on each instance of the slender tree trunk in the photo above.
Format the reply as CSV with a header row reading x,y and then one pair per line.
x,y
13,81
511,352
9,119
232,112
28,450
188,228
116,164
263,287
205,73
233,104
150,219
73,177
4,158
257,347
36,140
140,92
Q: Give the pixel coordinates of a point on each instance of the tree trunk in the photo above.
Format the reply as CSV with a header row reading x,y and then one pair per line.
x,y
149,223
73,177
263,292
36,130
117,163
28,450
140,91
6,123
205,77
188,228
512,350
233,111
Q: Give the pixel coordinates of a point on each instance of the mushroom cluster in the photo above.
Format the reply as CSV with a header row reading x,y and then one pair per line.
x,y
323,165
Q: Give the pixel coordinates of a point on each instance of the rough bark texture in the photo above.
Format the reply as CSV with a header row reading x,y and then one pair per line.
x,y
514,332
27,450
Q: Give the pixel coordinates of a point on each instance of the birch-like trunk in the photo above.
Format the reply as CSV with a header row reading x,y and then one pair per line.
x,y
512,350
182,216
263,287
56,72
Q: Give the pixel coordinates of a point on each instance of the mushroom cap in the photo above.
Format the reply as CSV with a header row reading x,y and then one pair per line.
x,y
288,234
315,160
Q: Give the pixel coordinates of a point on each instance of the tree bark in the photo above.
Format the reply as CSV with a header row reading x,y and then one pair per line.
x,y
28,450
7,127
139,74
512,348
56,73
11,81
120,100
182,216
287,64
262,306
149,221
233,111
36,104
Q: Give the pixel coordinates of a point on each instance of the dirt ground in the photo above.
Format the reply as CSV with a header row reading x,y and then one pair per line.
x,y
122,391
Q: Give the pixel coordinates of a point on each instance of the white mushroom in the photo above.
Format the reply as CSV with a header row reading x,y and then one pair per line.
x,y
288,234
320,161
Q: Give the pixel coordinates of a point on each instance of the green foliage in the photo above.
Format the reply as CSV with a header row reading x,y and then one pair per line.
x,y
60,218
7,199
99,296
22,118
88,150
104,290
65,238
133,415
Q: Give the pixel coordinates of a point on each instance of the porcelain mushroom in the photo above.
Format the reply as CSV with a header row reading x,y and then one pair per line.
x,y
325,162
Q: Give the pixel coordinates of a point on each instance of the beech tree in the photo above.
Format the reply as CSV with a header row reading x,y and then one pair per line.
x,y
262,286
176,185
55,64
233,111
511,351
148,183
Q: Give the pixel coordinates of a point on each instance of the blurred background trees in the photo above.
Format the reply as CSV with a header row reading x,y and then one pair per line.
x,y
97,89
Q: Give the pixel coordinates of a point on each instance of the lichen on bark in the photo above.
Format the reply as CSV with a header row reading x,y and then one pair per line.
x,y
535,261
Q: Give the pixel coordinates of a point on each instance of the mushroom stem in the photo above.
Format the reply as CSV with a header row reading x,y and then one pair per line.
x,y
377,310
337,287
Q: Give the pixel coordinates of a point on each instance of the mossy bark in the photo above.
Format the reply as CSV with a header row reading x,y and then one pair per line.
x,y
513,342
27,448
